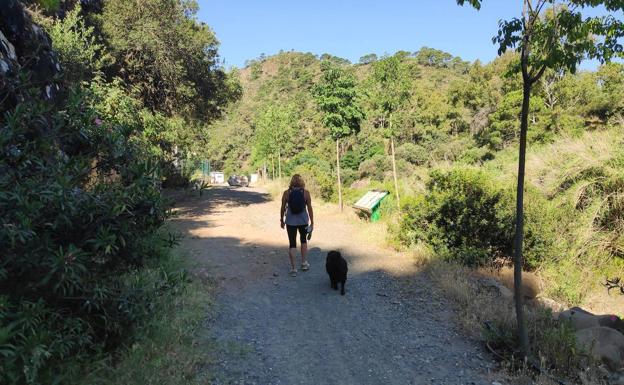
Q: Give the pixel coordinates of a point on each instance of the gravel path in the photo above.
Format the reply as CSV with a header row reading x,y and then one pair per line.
x,y
269,328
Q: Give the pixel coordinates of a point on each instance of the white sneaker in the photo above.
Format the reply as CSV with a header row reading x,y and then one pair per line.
x,y
305,266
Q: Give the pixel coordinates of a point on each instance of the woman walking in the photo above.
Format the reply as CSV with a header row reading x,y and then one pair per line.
x,y
297,205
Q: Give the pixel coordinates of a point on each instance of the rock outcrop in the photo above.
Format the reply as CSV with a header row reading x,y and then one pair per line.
x,y
600,335
27,60
604,344
582,319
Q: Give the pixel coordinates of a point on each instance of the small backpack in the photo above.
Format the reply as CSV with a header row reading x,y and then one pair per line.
x,y
296,200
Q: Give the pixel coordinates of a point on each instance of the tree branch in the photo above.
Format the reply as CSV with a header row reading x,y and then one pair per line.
x,y
534,78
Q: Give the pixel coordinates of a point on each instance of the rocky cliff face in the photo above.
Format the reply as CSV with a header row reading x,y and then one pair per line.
x,y
27,60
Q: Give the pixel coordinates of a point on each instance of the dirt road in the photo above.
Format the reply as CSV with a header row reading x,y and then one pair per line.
x,y
269,328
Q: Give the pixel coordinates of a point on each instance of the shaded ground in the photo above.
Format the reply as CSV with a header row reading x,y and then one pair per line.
x,y
270,328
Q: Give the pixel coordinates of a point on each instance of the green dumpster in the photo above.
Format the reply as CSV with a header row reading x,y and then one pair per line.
x,y
369,204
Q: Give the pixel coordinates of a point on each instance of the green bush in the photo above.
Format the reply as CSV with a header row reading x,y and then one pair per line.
x,y
165,349
348,176
318,181
350,161
375,168
361,152
413,153
81,55
49,6
308,158
542,225
466,218
475,155
554,342
80,213
460,217
317,173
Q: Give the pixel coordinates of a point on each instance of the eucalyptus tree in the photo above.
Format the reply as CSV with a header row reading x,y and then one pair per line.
x,y
337,97
551,34
389,91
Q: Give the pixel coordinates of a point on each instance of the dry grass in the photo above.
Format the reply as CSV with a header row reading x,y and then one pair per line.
x,y
475,304
532,285
581,178
549,167
274,187
565,160
478,305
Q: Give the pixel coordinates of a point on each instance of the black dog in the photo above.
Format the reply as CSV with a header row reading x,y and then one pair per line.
x,y
336,267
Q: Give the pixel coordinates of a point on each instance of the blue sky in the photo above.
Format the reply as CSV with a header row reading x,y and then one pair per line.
x,y
353,28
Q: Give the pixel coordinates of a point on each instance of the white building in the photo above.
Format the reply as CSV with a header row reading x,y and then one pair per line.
x,y
217,177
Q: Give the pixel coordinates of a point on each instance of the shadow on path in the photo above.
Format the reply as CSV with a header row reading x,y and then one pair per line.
x,y
270,328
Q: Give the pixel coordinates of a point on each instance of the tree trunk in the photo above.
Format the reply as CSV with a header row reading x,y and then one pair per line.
x,y
279,164
338,174
264,172
394,173
272,168
519,236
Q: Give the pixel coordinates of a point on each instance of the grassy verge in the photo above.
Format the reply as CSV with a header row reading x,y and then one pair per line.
x,y
166,348
484,314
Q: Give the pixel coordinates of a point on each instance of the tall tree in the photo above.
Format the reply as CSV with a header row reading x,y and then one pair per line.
x,y
433,57
275,128
367,59
337,97
390,90
550,34
166,57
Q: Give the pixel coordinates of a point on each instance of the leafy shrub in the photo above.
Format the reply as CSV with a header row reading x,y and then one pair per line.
x,y
49,5
412,153
460,217
318,182
350,161
80,212
554,342
476,155
466,218
256,69
449,148
79,52
305,157
363,151
542,226
573,125
375,168
317,173
165,349
348,176
504,122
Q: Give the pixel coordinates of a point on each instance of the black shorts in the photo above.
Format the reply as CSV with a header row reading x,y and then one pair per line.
x,y
292,235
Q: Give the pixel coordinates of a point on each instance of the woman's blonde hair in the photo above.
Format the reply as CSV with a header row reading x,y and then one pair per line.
x,y
297,181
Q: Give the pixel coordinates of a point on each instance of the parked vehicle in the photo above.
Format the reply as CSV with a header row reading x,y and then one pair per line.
x,y
238,180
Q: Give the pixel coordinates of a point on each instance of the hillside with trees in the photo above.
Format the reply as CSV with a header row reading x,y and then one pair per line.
x,y
455,127
442,135
107,108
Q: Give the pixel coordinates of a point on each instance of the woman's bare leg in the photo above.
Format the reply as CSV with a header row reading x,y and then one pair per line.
x,y
304,251
291,255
